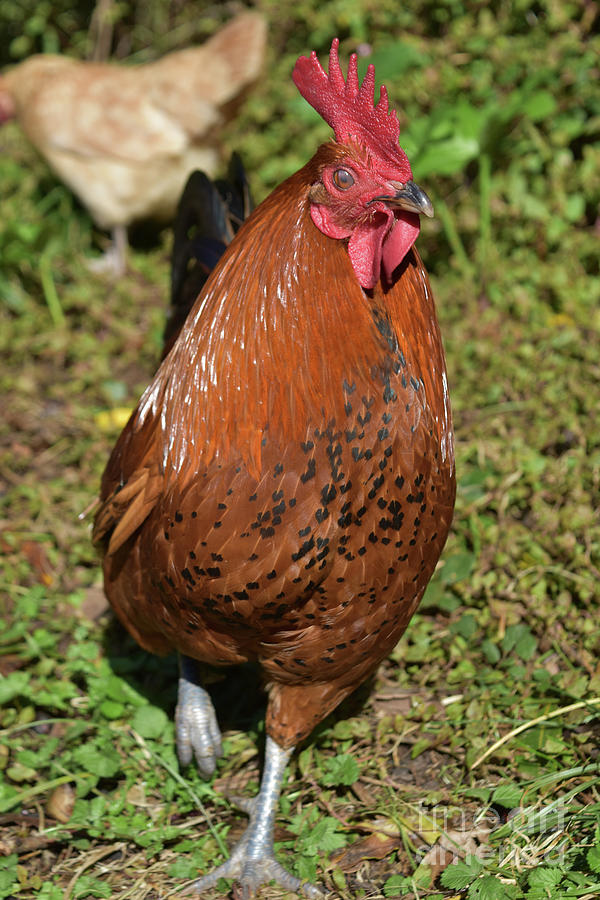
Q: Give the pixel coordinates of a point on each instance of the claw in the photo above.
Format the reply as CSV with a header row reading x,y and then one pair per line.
x,y
249,875
196,728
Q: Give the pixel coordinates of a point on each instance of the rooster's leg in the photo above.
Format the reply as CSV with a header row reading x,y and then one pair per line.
x,y
252,861
196,727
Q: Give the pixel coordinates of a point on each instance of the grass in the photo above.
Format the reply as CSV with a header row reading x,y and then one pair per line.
x,y
470,766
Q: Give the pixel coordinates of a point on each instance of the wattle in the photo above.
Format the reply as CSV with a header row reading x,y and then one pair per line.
x,y
383,242
400,239
366,248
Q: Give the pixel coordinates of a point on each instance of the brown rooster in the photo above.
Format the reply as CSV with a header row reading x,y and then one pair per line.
x,y
285,486
125,138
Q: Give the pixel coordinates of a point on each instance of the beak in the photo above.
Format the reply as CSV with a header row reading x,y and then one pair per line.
x,y
411,198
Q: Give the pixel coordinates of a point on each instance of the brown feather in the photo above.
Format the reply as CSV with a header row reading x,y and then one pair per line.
x,y
297,442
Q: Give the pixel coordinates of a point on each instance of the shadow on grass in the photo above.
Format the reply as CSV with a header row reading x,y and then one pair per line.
x,y
237,692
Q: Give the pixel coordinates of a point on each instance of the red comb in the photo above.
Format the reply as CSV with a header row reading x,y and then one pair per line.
x,y
350,108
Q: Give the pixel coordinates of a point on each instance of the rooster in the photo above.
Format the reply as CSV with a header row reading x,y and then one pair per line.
x,y
284,489
125,138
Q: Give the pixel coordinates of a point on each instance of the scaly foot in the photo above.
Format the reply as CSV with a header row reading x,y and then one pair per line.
x,y
252,862
196,728
250,874
113,261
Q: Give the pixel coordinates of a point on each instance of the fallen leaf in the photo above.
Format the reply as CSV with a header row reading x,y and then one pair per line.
x,y
374,846
10,663
38,560
437,859
454,844
393,702
60,803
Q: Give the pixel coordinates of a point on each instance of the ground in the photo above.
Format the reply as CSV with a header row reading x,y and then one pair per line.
x,y
402,791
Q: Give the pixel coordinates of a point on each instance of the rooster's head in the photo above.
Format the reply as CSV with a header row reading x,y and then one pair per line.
x,y
365,193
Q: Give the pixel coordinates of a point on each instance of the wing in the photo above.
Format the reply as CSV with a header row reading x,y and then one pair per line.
x,y
129,490
208,216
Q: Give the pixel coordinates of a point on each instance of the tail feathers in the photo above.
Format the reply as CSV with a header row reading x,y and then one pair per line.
x,y
208,216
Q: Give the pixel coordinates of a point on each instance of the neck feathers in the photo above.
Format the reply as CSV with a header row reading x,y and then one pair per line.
x,y
281,323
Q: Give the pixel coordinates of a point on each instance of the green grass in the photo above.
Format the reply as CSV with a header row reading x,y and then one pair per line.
x,y
500,114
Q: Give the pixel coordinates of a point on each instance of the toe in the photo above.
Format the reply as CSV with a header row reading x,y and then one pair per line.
x,y
196,728
257,872
245,804
250,874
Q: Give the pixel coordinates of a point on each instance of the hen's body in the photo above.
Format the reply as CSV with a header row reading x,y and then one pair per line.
x,y
286,485
125,138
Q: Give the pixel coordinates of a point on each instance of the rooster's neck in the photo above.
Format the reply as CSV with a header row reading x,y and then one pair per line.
x,y
281,325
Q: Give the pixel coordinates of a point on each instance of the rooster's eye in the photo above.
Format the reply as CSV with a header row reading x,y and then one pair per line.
x,y
343,179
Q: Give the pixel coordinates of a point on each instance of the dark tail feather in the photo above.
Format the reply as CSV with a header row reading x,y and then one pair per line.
x,y
208,216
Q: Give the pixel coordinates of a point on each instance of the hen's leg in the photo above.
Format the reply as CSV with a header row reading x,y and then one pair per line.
x,y
252,861
196,728
113,261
